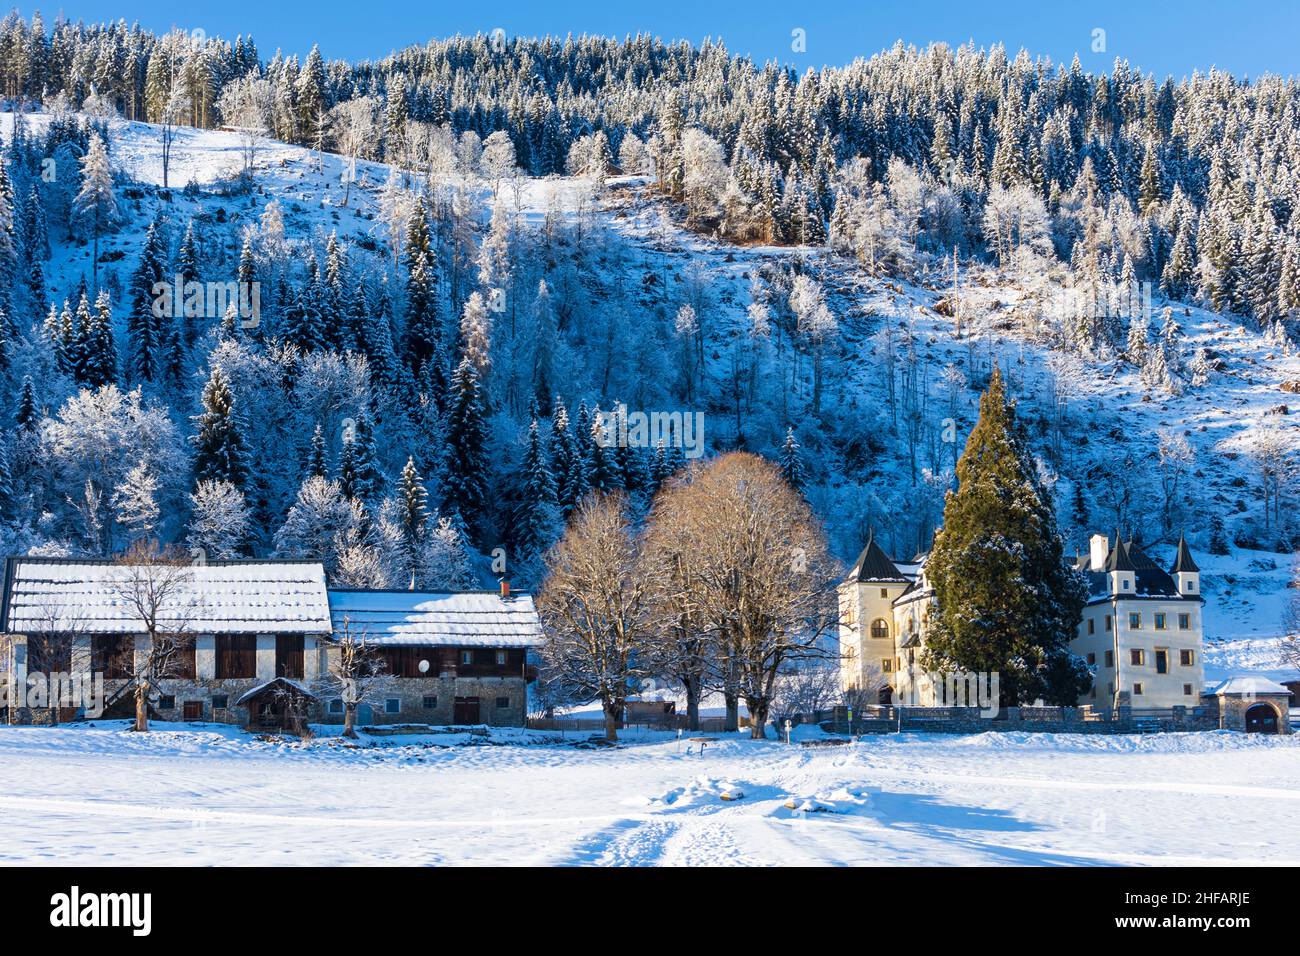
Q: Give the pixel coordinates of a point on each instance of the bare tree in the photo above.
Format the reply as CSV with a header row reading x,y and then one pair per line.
x,y
681,647
594,606
154,584
357,672
760,573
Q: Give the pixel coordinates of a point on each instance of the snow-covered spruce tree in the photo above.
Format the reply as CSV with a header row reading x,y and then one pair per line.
x,y
98,358
1218,536
593,607
466,489
562,456
413,506
316,455
95,207
1006,600
537,520
602,475
27,416
219,449
791,461
145,334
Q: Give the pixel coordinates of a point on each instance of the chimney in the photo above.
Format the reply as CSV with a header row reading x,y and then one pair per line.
x,y
505,590
1099,551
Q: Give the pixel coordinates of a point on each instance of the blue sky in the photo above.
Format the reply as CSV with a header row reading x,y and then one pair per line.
x,y
1249,37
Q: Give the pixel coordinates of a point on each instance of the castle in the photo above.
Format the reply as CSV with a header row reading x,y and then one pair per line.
x,y
1140,631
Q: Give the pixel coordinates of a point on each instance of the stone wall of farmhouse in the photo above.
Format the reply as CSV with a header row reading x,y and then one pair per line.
x,y
502,701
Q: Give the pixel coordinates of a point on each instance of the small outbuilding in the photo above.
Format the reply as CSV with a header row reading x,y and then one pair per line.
x,y
1255,705
278,706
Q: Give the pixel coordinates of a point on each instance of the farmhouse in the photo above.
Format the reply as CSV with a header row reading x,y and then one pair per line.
x,y
253,643
1140,633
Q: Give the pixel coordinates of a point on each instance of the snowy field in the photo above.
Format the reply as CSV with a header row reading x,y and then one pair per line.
x,y
203,794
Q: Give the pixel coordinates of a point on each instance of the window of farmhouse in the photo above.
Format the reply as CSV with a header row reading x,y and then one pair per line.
x,y
236,656
880,628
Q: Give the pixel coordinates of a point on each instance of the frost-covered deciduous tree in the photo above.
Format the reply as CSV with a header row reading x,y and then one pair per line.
x,y
219,519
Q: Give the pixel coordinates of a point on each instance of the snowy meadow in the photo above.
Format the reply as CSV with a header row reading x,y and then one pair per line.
x,y
209,795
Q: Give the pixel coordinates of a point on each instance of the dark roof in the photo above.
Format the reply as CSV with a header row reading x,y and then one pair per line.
x,y
874,565
1119,559
1150,580
1183,563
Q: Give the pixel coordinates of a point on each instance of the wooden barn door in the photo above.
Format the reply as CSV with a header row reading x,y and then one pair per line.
x,y
466,711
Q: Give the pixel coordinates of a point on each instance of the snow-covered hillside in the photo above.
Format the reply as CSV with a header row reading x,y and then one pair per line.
x,y
1095,424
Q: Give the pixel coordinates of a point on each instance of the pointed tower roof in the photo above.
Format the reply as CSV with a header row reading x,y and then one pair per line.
x,y
1120,560
874,565
1183,562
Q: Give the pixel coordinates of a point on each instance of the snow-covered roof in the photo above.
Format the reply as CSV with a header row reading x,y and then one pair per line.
x,y
465,619
278,682
1247,685
219,597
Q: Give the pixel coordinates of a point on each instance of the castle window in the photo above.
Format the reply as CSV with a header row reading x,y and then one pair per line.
x,y
1137,657
1184,622
1160,622
1187,689
1092,625
1110,658
1092,659
1135,620
1187,658
1137,690
886,665
1191,584
880,628
884,592
1108,622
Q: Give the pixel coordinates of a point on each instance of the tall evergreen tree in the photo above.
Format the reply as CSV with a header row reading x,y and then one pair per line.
x,y
1006,602
791,461
219,449
143,324
537,519
467,458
